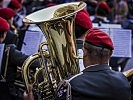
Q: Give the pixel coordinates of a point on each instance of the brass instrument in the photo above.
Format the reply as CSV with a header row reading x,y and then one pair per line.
x,y
128,73
60,61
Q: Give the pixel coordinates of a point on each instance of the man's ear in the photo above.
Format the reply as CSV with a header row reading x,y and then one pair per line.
x,y
85,52
111,52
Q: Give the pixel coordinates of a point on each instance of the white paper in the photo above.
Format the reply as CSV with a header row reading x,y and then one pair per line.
x,y
106,30
95,25
105,25
122,42
31,42
117,26
1,54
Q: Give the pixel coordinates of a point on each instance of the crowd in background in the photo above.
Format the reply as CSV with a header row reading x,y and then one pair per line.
x,y
116,11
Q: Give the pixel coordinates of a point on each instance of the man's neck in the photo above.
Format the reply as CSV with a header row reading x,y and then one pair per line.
x,y
81,37
91,65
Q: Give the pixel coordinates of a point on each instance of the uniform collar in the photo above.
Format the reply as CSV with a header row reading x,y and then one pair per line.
x,y
97,67
79,40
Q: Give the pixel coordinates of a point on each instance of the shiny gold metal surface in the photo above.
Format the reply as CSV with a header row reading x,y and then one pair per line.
x,y
60,61
128,73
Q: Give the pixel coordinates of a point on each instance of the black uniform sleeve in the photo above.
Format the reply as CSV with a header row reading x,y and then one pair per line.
x,y
16,56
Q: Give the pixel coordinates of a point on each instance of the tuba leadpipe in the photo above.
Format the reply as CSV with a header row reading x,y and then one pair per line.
x,y
60,60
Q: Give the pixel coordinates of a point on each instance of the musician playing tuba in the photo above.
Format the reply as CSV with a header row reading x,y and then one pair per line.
x,y
97,81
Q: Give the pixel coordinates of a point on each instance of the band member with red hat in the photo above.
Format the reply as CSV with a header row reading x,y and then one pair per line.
x,y
4,27
8,14
101,13
82,24
15,5
12,58
97,81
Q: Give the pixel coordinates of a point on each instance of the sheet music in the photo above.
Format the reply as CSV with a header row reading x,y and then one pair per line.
x,y
105,25
95,25
107,30
31,42
1,54
122,42
117,26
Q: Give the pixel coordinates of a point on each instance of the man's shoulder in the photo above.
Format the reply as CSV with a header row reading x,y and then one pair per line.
x,y
65,86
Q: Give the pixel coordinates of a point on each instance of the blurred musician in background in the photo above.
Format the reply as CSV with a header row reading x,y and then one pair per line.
x,y
82,24
11,59
101,12
8,14
128,22
15,5
97,81
121,11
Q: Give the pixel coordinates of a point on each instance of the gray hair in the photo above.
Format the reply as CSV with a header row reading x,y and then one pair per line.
x,y
98,53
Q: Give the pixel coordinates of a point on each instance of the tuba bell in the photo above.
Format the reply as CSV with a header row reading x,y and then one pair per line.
x,y
60,60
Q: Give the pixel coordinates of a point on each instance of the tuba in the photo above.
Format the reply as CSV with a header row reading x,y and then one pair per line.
x,y
60,60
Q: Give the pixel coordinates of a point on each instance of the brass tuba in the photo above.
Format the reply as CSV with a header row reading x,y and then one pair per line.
x,y
60,60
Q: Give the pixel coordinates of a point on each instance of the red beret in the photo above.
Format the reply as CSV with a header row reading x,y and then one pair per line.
x,y
50,4
7,13
97,37
83,19
4,26
14,4
104,5
21,1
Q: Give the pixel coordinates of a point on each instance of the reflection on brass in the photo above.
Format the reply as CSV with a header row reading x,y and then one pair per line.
x,y
128,73
27,20
65,10
57,63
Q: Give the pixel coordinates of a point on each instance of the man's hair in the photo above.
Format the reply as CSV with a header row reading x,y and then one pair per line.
x,y
98,53
79,31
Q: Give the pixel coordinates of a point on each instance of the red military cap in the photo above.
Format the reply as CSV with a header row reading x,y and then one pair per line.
x,y
7,13
14,4
104,5
21,1
4,26
51,4
99,38
83,19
